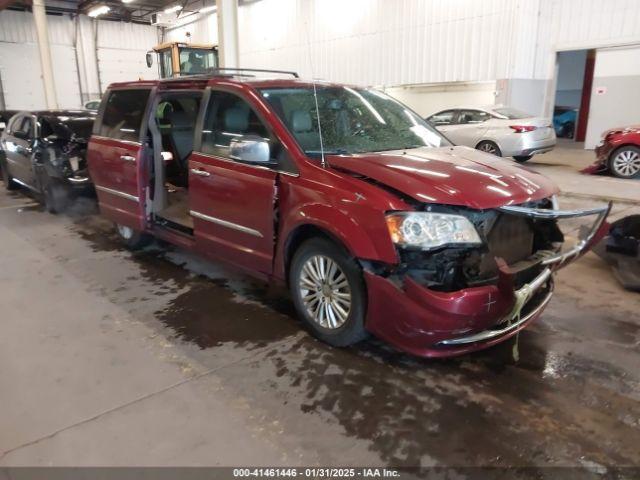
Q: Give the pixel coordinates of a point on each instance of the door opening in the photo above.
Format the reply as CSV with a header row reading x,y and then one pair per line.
x,y
573,93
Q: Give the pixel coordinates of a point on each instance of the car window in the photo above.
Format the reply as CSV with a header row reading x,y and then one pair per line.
x,y
24,125
443,118
123,113
352,120
228,116
196,60
13,124
165,64
511,113
472,116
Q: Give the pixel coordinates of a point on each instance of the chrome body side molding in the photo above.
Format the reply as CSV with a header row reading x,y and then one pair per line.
x,y
224,223
118,193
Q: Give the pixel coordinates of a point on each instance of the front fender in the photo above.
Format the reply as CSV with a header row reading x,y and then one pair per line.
x,y
361,230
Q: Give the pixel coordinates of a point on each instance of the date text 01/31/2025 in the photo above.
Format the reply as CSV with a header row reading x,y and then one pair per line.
x,y
316,472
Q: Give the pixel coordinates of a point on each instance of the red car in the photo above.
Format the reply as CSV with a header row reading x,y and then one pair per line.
x,y
619,152
372,218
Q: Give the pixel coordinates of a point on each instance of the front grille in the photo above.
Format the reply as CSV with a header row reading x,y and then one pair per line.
x,y
510,238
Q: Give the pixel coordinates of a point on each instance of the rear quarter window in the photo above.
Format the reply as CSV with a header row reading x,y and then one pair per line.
x,y
123,114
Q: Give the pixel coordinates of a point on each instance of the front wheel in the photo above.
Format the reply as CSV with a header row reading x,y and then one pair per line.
x,y
489,147
522,158
328,292
133,239
625,162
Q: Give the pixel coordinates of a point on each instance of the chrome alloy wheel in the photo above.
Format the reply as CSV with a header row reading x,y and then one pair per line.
x,y
325,291
125,232
487,147
627,163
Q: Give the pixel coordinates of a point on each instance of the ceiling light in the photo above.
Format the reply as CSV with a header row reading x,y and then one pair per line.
x,y
211,8
127,1
175,8
101,10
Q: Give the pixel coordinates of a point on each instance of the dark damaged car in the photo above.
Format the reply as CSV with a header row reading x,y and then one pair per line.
x,y
375,222
45,152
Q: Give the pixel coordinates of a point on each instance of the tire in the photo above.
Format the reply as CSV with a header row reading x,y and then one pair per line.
x,y
568,130
522,158
7,179
132,239
625,162
341,322
489,147
56,196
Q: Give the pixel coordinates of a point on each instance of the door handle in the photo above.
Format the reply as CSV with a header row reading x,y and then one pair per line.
x,y
202,173
127,158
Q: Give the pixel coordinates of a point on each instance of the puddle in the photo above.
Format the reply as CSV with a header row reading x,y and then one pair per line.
x,y
206,305
552,407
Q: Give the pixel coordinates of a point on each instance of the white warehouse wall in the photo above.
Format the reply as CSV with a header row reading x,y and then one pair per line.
x,y
202,29
402,42
617,77
429,99
120,56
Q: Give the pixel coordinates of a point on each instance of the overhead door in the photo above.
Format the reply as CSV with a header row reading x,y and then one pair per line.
x,y
21,76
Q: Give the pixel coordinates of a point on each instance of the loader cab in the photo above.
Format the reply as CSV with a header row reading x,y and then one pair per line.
x,y
177,59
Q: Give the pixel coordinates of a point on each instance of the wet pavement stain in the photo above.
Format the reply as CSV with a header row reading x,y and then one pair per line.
x,y
204,311
556,406
475,410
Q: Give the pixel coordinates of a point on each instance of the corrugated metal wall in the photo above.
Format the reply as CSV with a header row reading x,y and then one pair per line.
x,y
202,30
120,56
391,42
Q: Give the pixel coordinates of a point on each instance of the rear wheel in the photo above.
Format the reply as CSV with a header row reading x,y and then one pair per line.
x,y
328,292
489,147
132,239
625,162
522,158
7,179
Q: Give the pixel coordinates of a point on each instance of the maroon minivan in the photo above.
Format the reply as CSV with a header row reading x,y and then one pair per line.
x,y
372,218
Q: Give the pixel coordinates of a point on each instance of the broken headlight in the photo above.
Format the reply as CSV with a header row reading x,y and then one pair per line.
x,y
427,230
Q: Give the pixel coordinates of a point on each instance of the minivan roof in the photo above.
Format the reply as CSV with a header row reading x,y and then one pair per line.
x,y
202,81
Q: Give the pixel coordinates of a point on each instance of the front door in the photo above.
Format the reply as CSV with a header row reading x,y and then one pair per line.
x,y
19,150
118,159
232,202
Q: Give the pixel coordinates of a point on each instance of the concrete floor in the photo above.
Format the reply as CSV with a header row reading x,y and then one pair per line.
x,y
159,358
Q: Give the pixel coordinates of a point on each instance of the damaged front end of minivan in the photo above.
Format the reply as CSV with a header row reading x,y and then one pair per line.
x,y
480,289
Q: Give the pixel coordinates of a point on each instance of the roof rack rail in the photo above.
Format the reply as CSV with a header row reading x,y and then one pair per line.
x,y
216,72
257,70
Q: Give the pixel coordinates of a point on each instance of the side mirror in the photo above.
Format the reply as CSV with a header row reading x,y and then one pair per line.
x,y
149,59
20,134
250,148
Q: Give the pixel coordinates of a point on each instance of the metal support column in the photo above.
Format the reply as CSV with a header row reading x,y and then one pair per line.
x,y
228,33
40,19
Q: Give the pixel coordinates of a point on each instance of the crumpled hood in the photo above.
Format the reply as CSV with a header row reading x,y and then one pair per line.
x,y
450,175
627,129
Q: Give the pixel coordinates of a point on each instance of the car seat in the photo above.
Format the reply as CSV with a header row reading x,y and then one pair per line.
x,y
302,126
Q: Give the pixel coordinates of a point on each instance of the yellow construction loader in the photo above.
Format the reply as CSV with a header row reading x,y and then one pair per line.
x,y
176,59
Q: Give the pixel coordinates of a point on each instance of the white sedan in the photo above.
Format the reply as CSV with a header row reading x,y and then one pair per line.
x,y
496,129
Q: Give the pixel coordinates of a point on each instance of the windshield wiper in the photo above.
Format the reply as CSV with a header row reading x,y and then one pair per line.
x,y
337,151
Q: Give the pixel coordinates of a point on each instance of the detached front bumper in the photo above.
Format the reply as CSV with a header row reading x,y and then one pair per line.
x,y
432,323
603,151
